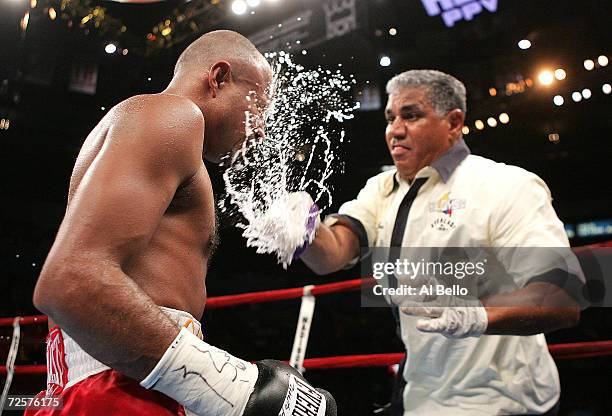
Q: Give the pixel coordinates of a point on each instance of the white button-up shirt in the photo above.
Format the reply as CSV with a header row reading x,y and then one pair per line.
x,y
467,201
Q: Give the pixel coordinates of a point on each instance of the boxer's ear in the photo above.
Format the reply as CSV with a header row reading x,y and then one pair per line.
x,y
218,75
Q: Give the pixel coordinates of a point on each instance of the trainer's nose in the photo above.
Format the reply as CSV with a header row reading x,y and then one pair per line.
x,y
396,130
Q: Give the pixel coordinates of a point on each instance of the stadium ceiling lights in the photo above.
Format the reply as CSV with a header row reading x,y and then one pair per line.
x,y
385,61
110,48
239,7
524,44
586,93
559,100
546,77
560,74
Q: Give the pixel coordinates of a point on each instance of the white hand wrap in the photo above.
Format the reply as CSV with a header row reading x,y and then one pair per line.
x,y
203,378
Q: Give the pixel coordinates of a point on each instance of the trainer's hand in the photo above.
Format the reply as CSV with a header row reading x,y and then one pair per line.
x,y
288,225
450,316
281,390
312,223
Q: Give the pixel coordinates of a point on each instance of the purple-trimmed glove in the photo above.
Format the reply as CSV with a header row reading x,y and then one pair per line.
x,y
286,228
312,223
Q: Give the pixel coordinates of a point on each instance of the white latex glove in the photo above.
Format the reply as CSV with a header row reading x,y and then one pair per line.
x,y
288,225
451,316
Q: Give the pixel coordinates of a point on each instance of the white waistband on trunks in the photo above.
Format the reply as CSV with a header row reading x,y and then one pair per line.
x,y
82,365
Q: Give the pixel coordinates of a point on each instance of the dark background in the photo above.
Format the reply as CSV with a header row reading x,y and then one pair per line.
x,y
48,124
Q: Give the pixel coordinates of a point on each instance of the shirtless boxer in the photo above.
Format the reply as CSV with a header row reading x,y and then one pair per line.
x,y
138,232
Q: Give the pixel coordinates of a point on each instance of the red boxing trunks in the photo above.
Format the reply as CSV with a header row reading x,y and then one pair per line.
x,y
88,387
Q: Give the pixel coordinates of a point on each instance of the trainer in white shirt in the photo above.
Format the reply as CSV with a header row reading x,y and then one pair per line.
x,y
460,361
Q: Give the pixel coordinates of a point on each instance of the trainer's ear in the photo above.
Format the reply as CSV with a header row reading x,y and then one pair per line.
x,y
455,118
218,75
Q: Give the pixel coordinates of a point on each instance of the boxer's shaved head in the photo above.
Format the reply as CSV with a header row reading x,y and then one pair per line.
x,y
219,45
225,75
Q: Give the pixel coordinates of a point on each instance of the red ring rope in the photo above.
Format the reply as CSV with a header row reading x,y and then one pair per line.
x,y
558,351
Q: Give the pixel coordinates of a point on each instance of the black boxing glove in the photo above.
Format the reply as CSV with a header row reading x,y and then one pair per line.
x,y
281,390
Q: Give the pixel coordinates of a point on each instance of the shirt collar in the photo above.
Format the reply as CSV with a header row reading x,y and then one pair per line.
x,y
445,165
448,162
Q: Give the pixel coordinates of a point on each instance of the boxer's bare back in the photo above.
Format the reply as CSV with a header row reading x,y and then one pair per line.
x,y
118,186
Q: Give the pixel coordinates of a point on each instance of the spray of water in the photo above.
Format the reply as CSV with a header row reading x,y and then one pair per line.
x,y
273,180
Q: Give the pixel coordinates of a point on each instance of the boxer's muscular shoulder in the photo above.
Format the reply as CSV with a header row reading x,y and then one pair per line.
x,y
166,127
166,115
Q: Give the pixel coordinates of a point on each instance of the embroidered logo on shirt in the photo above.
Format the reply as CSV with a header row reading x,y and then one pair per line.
x,y
443,224
446,205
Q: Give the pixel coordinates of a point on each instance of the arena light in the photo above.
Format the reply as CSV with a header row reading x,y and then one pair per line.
x,y
602,60
546,77
586,93
239,7
524,44
492,91
110,48
504,118
607,89
479,125
554,137
393,31
24,21
589,65
558,100
492,122
576,96
465,130
560,74
52,13
385,61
